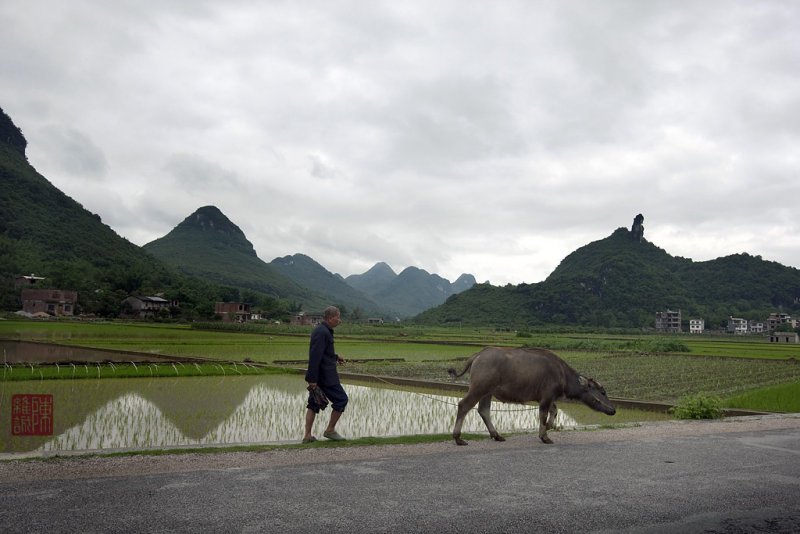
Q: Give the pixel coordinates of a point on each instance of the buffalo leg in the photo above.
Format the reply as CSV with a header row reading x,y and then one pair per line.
x,y
485,411
464,406
544,413
551,417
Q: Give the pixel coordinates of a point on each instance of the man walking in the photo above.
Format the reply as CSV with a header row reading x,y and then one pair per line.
x,y
322,374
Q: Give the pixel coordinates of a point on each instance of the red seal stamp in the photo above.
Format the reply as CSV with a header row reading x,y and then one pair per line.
x,y
31,415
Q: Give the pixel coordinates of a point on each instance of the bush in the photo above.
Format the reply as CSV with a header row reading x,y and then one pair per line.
x,y
698,407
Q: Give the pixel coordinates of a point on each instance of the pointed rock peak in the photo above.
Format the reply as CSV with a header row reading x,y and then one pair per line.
x,y
295,259
466,279
637,228
210,219
381,268
416,272
213,225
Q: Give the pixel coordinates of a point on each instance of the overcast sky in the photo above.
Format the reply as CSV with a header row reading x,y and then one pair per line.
x,y
490,138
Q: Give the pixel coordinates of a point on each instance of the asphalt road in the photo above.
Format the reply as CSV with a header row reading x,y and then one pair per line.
x,y
722,477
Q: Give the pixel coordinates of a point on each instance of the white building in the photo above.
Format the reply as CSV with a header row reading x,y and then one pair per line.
x,y
737,326
697,326
755,327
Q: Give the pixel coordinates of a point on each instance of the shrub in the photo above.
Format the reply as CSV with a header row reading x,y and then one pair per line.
x,y
698,407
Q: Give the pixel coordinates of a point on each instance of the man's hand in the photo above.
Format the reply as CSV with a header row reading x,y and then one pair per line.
x,y
339,359
311,386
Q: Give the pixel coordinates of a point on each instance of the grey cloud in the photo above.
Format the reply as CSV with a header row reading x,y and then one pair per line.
x,y
507,133
192,170
73,152
321,169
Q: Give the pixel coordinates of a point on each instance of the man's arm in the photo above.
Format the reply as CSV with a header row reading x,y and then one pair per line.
x,y
316,349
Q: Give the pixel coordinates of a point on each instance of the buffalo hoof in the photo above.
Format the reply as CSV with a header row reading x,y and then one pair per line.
x,y
460,441
547,440
498,437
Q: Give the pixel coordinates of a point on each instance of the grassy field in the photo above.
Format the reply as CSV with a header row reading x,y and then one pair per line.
x,y
787,396
746,372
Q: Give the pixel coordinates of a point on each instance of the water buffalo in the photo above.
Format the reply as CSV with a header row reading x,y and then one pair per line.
x,y
522,375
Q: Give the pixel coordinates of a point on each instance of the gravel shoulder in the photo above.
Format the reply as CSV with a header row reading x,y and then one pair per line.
x,y
71,467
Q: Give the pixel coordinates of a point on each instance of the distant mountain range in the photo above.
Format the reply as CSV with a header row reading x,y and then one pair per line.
x,y
383,285
209,246
205,258
619,281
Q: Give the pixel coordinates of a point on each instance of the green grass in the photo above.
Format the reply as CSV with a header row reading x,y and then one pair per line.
x,y
282,343
780,398
668,378
631,375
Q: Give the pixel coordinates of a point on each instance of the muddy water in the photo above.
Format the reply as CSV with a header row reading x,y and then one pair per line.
x,y
31,352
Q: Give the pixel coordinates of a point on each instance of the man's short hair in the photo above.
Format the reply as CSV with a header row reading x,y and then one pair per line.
x,y
331,312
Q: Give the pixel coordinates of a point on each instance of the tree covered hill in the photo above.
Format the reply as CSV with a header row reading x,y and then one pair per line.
x,y
47,233
306,271
373,280
622,281
207,245
415,290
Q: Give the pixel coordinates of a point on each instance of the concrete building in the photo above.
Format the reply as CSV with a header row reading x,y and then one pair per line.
x,y
783,337
305,319
737,325
144,307
668,321
233,311
55,302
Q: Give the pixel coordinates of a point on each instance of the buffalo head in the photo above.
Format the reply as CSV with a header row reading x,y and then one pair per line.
x,y
594,396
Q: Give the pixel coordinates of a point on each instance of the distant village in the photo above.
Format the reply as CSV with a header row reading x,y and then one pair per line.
x,y
779,326
44,303
57,303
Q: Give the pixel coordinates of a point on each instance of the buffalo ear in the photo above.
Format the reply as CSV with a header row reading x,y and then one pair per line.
x,y
583,381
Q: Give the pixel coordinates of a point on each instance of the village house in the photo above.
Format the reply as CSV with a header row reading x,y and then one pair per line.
x,y
27,280
783,337
737,325
144,307
55,302
233,311
305,319
668,321
778,320
697,326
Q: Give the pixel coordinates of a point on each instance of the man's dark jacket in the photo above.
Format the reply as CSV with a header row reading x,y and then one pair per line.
x,y
321,357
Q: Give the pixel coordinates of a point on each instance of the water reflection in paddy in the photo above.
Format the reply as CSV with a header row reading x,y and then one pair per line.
x,y
133,413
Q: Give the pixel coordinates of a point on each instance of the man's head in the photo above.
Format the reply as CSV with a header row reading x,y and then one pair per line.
x,y
332,316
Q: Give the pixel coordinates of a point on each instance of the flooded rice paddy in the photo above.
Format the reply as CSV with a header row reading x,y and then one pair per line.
x,y
133,413
167,412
